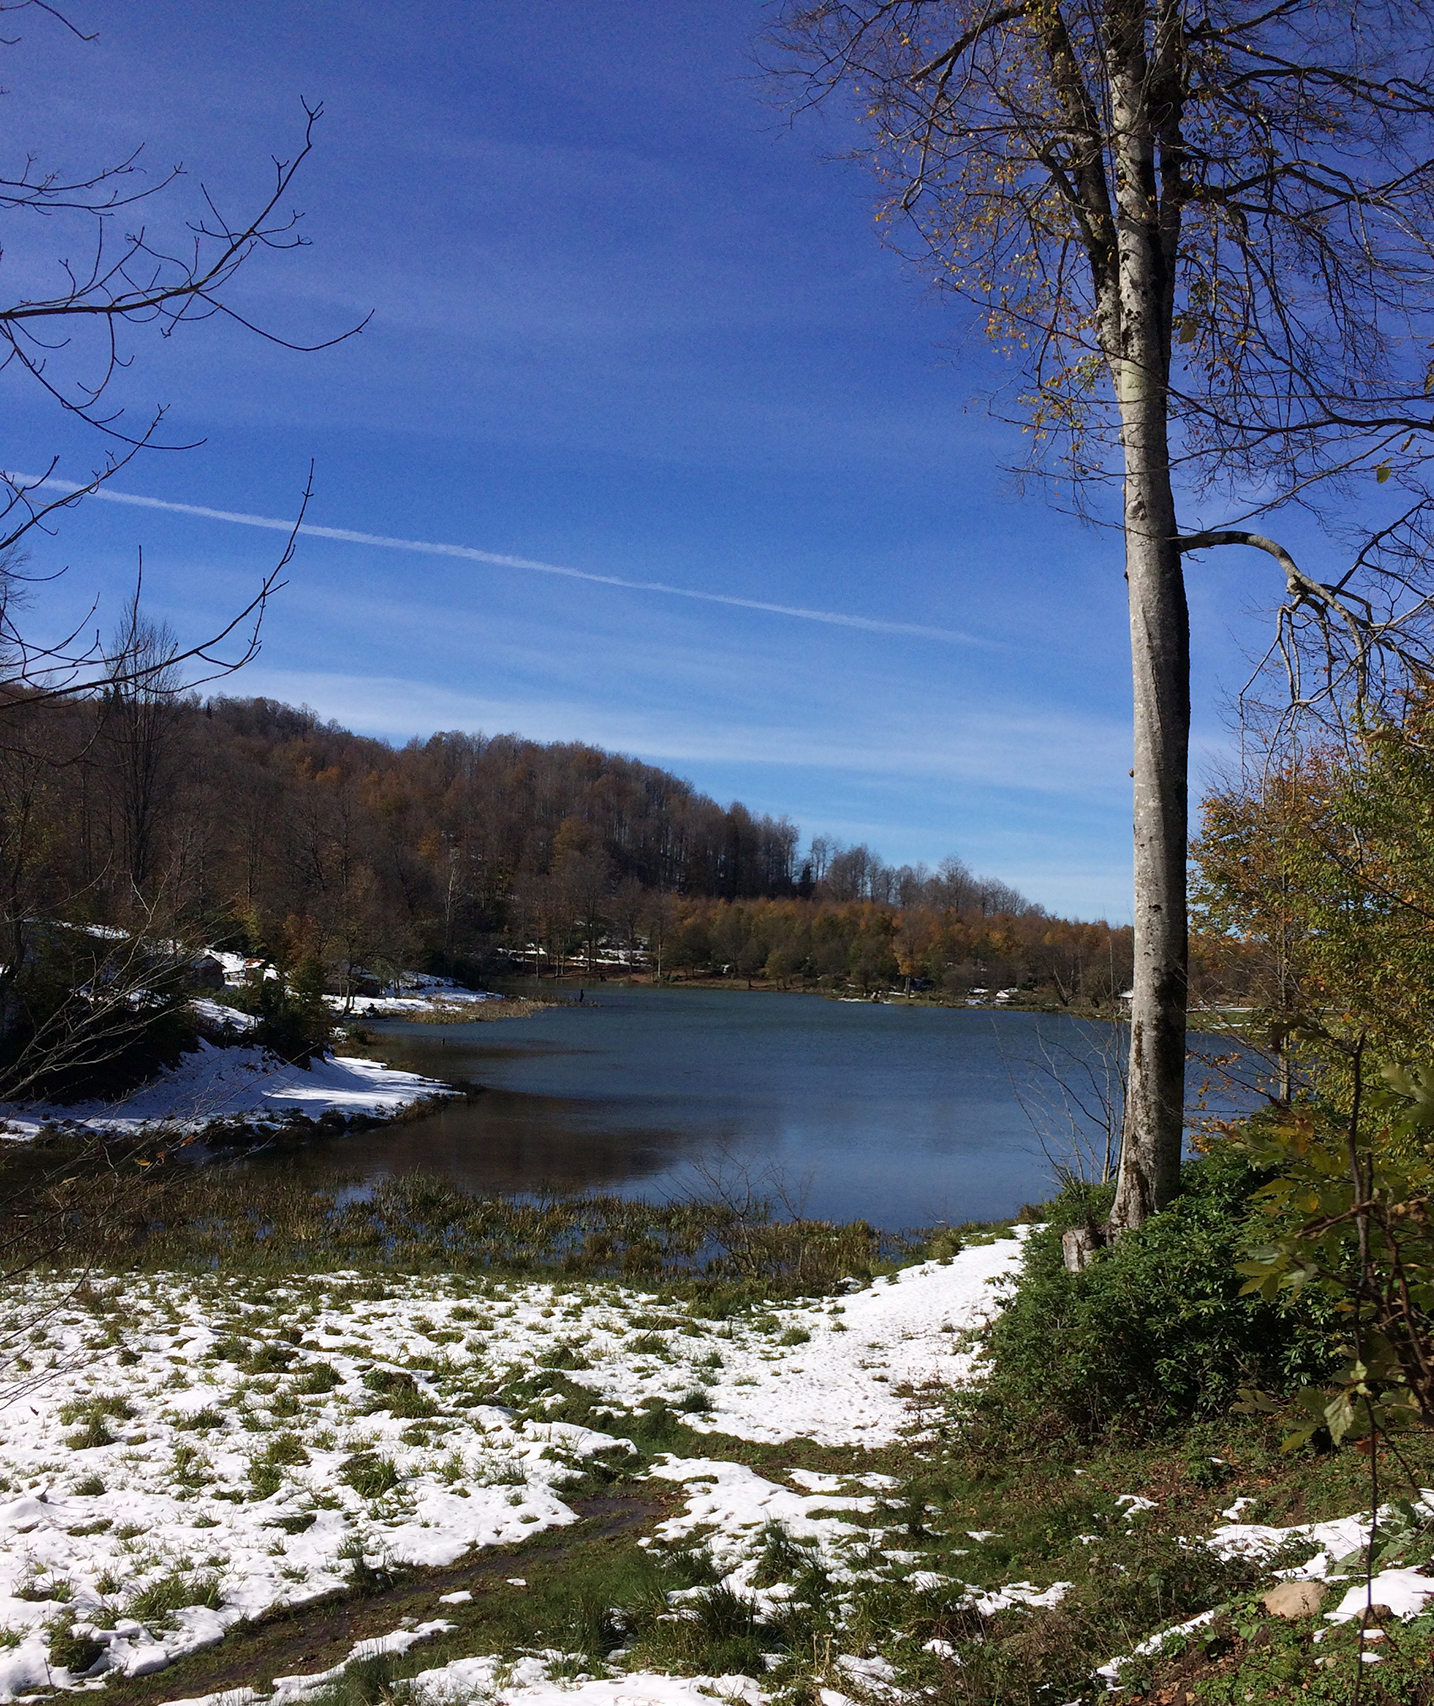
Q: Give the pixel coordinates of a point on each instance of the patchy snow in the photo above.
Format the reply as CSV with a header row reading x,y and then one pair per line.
x,y
288,1688
1133,1503
147,1458
730,1505
224,1018
291,1688
214,1083
413,993
1404,1591
850,1381
190,1451
1153,1643
1339,1543
1017,1593
176,1427
236,966
526,1683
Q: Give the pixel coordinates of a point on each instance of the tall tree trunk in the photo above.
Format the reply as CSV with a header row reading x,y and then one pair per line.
x,y
1144,103
1160,662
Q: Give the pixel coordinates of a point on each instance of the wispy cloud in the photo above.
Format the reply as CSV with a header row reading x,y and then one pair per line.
x,y
470,553
1016,754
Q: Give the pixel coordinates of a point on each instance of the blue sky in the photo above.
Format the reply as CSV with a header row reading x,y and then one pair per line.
x,y
628,321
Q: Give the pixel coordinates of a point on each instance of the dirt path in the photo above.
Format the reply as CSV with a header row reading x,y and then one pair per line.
x,y
315,1636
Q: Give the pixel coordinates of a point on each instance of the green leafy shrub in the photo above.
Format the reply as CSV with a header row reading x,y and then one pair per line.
x,y
1316,1217
1154,1333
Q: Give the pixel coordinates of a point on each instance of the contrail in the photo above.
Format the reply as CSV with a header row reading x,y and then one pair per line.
x,y
469,553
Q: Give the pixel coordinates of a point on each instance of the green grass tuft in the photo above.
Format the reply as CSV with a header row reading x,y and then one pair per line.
x,y
176,1591
368,1474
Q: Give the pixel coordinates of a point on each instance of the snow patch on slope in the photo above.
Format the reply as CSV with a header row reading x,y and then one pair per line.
x,y
236,1083
850,1382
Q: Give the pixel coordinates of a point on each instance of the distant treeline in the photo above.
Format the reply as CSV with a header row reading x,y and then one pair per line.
x,y
258,827
949,949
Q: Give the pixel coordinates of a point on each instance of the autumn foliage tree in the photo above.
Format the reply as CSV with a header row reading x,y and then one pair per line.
x,y
1326,866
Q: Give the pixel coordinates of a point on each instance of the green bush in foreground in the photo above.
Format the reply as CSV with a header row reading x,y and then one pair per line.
x,y
1246,1658
1154,1333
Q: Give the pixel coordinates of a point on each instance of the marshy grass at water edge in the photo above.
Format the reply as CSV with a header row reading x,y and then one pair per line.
x,y
140,1208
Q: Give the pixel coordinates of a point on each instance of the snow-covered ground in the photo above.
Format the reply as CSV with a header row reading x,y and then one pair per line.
x,y
1404,1591
848,1381
136,1452
524,1682
241,1082
415,994
527,1684
222,1081
180,1452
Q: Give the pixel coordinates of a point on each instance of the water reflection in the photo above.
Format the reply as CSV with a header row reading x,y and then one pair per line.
x,y
902,1116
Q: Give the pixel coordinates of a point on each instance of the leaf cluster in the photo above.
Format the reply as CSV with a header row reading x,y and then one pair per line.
x,y
1322,867
1349,1215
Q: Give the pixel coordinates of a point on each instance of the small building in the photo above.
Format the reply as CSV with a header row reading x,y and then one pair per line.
x,y
206,972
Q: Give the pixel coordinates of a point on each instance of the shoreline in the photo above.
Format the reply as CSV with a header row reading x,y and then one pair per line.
x,y
890,998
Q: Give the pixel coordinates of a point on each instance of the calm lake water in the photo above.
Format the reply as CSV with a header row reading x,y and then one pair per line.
x,y
902,1116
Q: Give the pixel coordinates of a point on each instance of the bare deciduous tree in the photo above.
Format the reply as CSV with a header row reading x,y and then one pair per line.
x,y
138,726
78,999
75,340
1206,232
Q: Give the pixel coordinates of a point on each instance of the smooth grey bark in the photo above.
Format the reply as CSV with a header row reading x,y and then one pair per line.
x,y
1160,666
1145,99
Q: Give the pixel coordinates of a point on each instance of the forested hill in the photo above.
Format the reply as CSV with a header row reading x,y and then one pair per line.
x,y
261,826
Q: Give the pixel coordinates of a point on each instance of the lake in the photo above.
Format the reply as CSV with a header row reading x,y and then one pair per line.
x,y
899,1115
